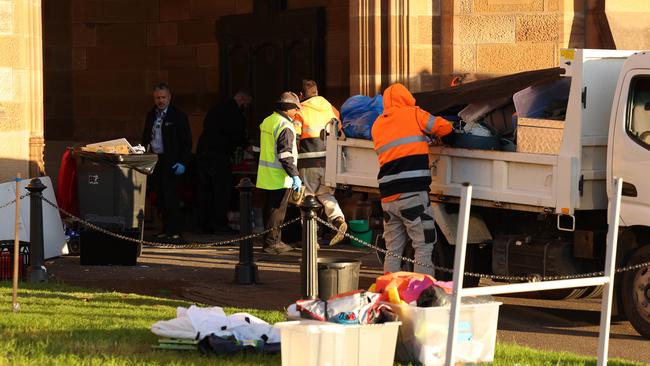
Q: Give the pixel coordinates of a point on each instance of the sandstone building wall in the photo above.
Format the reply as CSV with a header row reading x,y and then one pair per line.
x,y
21,91
101,57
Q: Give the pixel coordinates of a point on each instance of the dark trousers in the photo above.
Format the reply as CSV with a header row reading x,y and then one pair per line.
x,y
215,190
274,213
166,186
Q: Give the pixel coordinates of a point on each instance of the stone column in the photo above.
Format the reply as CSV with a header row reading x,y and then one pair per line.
x,y
365,47
622,25
414,43
34,98
21,88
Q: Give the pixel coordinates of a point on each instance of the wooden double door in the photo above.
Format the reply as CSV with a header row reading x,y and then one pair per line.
x,y
270,51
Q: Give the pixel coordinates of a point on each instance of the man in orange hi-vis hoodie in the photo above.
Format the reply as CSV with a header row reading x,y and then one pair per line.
x,y
401,140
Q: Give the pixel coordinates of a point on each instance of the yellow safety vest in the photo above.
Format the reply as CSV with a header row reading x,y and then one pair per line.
x,y
316,113
270,173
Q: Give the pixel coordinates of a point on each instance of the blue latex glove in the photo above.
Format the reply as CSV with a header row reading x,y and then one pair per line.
x,y
297,183
178,169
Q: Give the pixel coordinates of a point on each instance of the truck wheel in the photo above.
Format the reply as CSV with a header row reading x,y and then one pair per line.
x,y
636,292
443,256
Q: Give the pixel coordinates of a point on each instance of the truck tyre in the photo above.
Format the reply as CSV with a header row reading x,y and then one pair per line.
x,y
636,292
443,256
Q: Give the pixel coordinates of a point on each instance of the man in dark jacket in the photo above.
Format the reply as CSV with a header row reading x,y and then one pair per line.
x,y
223,131
167,133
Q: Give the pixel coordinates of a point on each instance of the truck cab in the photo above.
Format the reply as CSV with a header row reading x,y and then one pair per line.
x,y
628,157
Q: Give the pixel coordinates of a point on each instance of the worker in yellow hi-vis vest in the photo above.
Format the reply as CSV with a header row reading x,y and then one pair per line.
x,y
315,114
277,172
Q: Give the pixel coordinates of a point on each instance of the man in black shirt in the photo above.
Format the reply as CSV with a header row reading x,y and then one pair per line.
x,y
224,129
167,133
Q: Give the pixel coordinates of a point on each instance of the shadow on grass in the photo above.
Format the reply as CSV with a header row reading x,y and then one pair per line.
x,y
66,292
120,346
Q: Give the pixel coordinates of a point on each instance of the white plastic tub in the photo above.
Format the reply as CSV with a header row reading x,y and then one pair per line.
x,y
314,343
423,334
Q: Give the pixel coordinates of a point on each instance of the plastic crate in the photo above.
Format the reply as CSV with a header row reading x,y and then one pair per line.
x,y
423,334
7,259
312,343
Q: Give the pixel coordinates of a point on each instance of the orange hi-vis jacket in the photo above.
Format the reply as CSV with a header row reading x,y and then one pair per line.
x,y
401,142
315,114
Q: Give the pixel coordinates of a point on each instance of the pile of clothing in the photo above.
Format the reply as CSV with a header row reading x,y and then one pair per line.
x,y
354,307
220,333
413,289
417,289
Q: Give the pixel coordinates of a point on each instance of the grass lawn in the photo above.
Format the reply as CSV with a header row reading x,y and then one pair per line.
x,y
64,325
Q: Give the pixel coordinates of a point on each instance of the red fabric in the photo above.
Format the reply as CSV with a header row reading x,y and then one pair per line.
x,y
66,186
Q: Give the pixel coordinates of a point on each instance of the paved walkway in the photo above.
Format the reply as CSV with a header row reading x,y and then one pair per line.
x,y
207,275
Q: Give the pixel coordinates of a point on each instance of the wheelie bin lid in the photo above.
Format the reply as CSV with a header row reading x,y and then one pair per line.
x,y
143,163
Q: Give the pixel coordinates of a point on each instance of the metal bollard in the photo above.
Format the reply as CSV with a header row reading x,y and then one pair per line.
x,y
246,269
309,266
37,270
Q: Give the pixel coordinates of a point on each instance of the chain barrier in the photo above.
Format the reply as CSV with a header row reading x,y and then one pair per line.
x,y
153,244
13,201
531,278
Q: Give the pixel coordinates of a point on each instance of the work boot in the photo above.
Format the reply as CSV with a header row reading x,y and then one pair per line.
x,y
278,248
342,227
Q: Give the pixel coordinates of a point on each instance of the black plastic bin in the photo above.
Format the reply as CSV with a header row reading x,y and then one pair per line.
x,y
112,187
336,276
111,190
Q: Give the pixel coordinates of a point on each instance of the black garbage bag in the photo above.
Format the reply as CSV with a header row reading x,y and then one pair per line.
x,y
213,344
433,296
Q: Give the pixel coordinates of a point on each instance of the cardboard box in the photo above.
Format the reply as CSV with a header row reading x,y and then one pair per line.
x,y
107,149
423,334
313,343
539,136
117,146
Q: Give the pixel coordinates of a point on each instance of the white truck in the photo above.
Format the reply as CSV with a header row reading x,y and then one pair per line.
x,y
545,213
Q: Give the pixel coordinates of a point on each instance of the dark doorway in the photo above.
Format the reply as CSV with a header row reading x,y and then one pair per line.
x,y
270,51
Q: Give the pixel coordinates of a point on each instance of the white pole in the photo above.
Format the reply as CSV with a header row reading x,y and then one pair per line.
x,y
534,286
459,269
14,298
610,266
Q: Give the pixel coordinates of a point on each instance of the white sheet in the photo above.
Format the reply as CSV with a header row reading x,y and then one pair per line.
x,y
53,235
205,321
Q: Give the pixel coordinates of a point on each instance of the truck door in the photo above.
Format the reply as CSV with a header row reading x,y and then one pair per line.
x,y
631,146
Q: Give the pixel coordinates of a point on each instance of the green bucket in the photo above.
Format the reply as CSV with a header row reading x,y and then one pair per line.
x,y
360,230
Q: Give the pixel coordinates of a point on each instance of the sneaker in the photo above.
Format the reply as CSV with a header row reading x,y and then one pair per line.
x,y
270,250
278,248
342,227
